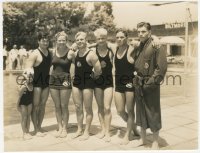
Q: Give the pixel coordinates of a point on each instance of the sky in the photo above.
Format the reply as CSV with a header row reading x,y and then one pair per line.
x,y
128,14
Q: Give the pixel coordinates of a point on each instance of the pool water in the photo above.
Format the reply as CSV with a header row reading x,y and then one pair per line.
x,y
10,96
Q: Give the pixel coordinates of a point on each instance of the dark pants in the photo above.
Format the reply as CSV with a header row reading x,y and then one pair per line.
x,y
4,62
14,64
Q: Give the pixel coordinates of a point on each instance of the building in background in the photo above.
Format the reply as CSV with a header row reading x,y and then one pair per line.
x,y
172,36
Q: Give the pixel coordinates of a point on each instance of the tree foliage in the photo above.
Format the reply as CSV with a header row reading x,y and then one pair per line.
x,y
23,20
101,16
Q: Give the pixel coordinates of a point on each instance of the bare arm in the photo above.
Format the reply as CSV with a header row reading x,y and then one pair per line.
x,y
73,47
72,68
94,61
31,60
111,55
71,55
91,45
130,54
112,46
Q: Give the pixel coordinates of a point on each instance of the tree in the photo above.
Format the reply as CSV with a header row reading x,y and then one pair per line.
x,y
101,16
23,20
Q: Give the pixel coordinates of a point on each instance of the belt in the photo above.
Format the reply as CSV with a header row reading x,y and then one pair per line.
x,y
139,78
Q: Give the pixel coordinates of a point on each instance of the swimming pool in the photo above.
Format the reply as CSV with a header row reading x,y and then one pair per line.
x,y
10,93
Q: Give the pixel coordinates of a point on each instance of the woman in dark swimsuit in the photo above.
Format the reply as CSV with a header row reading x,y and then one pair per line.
x,y
60,82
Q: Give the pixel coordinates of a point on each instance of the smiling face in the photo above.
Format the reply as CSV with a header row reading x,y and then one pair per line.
x,y
121,39
81,41
143,33
61,41
43,43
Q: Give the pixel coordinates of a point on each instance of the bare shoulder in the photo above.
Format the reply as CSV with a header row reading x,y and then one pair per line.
x,y
34,55
112,46
130,49
93,49
92,56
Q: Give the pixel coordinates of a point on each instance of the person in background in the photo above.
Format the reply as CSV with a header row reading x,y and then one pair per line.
x,y
13,57
23,55
5,57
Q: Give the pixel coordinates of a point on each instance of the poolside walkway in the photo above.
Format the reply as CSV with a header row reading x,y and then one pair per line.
x,y
179,132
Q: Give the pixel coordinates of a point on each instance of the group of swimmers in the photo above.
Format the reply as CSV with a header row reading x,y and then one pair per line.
x,y
82,70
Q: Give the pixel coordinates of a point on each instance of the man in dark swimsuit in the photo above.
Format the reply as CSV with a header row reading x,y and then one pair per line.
x,y
40,61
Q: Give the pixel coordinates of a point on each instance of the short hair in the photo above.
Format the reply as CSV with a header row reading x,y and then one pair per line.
x,y
144,24
100,31
81,33
42,35
123,31
62,33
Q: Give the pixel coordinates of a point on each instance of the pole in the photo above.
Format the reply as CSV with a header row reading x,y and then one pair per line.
x,y
186,51
186,39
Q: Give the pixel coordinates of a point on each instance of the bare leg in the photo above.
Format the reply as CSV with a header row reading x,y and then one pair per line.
x,y
44,97
65,95
55,94
24,114
108,95
135,130
29,115
78,101
141,141
155,143
99,96
36,101
87,99
129,106
120,105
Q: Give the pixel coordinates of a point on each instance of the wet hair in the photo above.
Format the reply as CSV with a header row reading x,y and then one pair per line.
x,y
144,24
81,33
100,31
42,35
62,33
123,31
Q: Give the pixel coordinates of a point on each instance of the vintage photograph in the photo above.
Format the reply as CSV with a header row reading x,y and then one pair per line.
x,y
100,76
